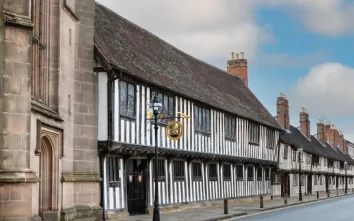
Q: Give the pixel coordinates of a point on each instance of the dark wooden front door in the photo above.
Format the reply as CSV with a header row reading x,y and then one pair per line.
x,y
309,184
327,183
285,185
136,187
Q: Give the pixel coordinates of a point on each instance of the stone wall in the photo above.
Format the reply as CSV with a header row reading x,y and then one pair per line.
x,y
68,121
16,179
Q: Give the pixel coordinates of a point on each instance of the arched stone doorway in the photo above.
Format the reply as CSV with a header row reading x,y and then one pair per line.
x,y
48,174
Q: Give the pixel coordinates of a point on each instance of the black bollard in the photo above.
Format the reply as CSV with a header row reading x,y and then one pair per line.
x,y
337,192
261,201
327,193
318,195
285,199
226,209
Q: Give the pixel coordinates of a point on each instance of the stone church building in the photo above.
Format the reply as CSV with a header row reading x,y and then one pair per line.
x,y
49,167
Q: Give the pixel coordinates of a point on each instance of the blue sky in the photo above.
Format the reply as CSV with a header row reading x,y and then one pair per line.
x,y
298,47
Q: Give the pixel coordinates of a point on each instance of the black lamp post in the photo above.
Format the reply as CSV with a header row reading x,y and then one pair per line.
x,y
346,179
156,107
300,194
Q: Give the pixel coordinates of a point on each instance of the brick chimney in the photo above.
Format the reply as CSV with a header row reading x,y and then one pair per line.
x,y
238,66
341,141
305,123
345,145
321,136
331,134
283,111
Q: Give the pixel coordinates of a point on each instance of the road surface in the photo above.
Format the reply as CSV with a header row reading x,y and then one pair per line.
x,y
340,209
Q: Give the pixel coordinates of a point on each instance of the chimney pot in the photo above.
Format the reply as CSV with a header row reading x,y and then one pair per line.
x,y
237,56
232,55
242,55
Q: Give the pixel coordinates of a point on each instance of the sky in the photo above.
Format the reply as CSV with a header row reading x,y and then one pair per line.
x,y
301,48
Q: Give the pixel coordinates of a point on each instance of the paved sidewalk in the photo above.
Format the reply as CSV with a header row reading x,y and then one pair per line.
x,y
217,213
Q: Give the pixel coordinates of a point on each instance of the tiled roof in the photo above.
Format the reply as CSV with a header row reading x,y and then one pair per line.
x,y
314,146
128,47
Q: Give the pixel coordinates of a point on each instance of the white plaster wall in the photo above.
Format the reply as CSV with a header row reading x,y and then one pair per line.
x,y
102,106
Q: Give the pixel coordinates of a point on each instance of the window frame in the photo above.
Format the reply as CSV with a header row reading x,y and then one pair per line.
x,y
179,174
270,136
249,173
226,173
316,160
161,173
254,130
195,176
230,127
239,172
211,171
202,125
113,169
40,10
162,95
121,114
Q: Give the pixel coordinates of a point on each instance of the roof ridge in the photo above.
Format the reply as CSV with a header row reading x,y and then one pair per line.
x,y
170,44
247,98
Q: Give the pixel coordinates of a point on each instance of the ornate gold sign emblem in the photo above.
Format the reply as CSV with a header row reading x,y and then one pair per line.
x,y
174,130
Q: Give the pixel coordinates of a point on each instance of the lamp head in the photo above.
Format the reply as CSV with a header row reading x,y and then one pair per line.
x,y
156,104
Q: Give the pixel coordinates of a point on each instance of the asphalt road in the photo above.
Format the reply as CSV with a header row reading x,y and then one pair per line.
x,y
332,210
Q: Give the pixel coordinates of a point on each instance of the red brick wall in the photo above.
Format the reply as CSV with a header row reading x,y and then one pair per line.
x,y
238,67
321,136
305,124
283,111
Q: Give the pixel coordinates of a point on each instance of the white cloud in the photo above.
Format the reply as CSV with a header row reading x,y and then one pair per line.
x,y
327,92
207,29
328,17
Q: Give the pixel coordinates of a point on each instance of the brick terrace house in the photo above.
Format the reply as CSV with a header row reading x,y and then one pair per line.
x,y
325,163
48,111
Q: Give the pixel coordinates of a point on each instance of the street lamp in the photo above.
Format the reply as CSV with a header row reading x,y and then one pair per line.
x,y
300,152
174,130
156,107
346,180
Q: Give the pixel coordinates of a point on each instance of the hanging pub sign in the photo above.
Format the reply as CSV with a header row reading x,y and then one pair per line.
x,y
174,130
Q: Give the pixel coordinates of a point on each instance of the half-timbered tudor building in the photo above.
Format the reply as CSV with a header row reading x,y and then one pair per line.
x,y
230,141
323,159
